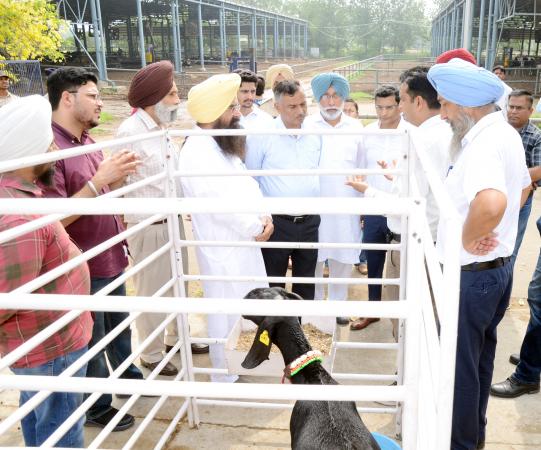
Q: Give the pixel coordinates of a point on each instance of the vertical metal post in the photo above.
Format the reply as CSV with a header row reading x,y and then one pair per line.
x,y
276,38
306,40
222,36
177,269
200,28
481,30
174,19
293,39
98,40
265,38
254,34
453,27
489,28
467,24
238,33
102,37
285,40
494,39
141,34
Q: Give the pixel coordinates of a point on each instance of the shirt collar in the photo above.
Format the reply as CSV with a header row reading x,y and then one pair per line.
x,y
486,121
68,135
9,180
526,128
432,121
148,121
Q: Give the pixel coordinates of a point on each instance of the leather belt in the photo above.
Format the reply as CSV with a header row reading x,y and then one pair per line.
x,y
395,237
486,265
294,219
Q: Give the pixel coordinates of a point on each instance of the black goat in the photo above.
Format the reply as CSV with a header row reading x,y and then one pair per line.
x,y
317,425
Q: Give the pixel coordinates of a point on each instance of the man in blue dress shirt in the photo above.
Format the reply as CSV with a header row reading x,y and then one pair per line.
x,y
289,152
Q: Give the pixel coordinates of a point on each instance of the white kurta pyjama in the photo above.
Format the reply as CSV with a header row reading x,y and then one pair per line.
x,y
202,153
338,152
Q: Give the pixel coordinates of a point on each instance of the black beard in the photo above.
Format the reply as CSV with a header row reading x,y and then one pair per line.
x,y
231,145
46,178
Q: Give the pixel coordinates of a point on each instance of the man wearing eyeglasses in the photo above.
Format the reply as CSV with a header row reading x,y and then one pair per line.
x,y
76,103
519,111
380,151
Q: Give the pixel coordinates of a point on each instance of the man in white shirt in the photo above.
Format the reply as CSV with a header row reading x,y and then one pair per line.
x,y
420,107
380,150
337,152
487,184
500,72
154,93
223,154
289,152
251,116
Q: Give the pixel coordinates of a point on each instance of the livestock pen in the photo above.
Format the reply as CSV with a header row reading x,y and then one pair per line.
x,y
428,293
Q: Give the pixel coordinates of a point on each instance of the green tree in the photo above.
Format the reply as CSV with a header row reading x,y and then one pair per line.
x,y
29,30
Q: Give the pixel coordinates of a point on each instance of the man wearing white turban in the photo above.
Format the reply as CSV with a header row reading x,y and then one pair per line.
x,y
487,183
337,152
222,154
25,130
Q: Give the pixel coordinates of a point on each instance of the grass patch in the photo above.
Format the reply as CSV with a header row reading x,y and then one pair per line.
x,y
360,95
106,117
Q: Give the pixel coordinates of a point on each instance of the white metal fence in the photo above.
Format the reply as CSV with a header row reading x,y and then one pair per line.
x,y
426,355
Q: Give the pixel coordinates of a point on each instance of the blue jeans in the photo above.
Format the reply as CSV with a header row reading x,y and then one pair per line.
x,y
484,296
43,421
362,255
375,232
529,368
523,217
117,350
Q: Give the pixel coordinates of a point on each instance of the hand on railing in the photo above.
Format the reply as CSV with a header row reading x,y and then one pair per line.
x,y
114,169
483,245
357,182
268,229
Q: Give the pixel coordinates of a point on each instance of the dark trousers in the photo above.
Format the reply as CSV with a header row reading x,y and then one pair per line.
x,y
303,260
375,232
117,350
484,296
529,368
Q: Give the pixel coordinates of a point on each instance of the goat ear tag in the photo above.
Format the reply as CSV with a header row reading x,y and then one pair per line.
x,y
264,338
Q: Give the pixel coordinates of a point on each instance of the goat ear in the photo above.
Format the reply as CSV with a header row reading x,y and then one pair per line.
x,y
292,295
260,349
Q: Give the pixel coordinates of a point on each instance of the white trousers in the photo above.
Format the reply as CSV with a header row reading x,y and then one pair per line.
x,y
219,326
336,270
148,281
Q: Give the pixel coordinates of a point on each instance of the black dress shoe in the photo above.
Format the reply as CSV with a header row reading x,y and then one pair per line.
x,y
512,388
342,321
101,422
197,349
169,370
514,359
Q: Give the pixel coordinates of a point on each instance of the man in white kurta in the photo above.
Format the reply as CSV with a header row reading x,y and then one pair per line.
x,y
338,152
222,155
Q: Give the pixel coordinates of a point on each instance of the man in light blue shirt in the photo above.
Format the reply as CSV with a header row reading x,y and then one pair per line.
x,y
289,152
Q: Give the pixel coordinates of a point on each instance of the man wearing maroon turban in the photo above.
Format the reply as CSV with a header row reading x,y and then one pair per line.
x,y
154,94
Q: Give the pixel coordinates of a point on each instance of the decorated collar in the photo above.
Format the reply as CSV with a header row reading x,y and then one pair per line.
x,y
301,362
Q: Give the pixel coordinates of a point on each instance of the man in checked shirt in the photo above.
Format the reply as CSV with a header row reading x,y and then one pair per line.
x,y
25,130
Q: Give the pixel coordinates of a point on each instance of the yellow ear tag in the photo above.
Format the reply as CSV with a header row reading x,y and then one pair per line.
x,y
264,338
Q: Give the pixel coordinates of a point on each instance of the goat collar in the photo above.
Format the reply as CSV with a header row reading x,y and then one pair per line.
x,y
301,362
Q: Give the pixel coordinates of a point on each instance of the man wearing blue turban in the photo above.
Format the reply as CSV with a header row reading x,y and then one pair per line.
x,y
337,152
487,184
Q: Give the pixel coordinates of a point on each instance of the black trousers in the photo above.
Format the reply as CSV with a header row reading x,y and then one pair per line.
x,y
303,260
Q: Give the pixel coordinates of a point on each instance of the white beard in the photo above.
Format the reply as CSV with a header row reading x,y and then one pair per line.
x,y
331,116
166,114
